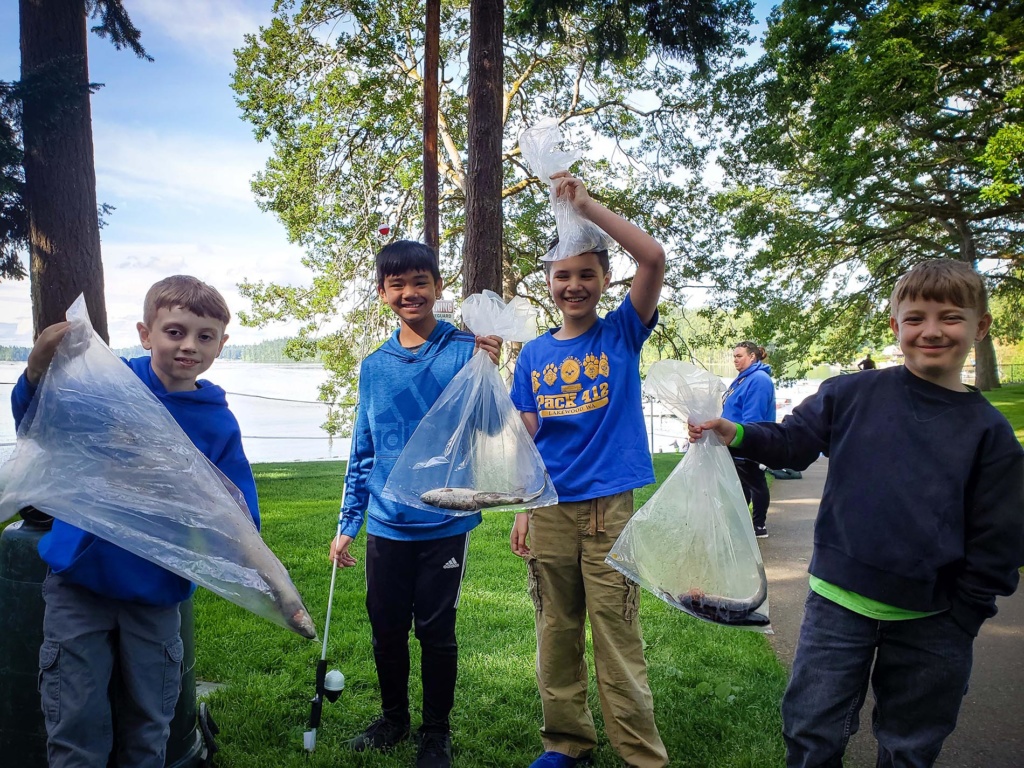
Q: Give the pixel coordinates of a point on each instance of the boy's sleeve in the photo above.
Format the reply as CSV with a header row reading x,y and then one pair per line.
x,y
21,398
993,540
798,441
522,385
631,328
360,464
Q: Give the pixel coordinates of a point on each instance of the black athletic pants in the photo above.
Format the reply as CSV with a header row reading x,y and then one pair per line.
x,y
415,584
755,489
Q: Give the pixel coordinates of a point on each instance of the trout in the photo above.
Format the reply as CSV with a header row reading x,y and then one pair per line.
x,y
468,499
724,610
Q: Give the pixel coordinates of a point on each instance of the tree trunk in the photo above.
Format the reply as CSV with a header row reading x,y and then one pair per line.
x,y
431,45
986,372
60,177
482,249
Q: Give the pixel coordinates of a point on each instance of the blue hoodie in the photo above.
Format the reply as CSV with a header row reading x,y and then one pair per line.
x,y
396,389
751,396
111,571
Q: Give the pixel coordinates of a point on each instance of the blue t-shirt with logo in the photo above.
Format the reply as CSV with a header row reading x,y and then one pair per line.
x,y
586,394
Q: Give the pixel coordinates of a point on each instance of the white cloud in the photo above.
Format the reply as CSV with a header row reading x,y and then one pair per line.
x,y
146,164
213,29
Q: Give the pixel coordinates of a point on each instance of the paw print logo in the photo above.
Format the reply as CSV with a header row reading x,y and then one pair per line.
x,y
535,377
570,370
550,374
604,364
591,366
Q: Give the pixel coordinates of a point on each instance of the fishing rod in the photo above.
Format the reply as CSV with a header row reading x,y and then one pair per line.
x,y
329,685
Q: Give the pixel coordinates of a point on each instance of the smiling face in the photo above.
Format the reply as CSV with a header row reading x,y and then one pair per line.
x,y
576,285
742,358
936,337
183,345
411,296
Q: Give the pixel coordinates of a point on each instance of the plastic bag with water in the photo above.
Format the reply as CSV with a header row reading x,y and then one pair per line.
x,y
471,451
692,544
99,451
576,235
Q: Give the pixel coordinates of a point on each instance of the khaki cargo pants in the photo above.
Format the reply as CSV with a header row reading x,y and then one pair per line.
x,y
569,581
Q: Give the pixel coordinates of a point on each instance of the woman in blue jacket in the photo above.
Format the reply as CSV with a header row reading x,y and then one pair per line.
x,y
751,397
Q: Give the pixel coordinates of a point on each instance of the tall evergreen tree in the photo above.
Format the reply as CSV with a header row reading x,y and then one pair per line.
x,y
60,176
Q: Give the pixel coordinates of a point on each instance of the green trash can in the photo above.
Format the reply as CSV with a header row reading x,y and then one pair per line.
x,y
22,731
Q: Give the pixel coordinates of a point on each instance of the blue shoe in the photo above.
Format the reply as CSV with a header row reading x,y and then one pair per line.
x,y
555,760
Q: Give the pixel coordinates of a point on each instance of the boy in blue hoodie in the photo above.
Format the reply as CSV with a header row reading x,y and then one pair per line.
x,y
106,607
751,397
415,560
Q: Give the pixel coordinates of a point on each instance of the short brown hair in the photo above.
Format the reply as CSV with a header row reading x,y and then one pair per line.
x,y
187,292
942,280
760,353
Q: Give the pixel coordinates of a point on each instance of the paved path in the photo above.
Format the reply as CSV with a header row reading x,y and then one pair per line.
x,y
990,733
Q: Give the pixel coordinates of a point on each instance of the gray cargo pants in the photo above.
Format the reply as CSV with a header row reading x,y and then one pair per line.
x,y
84,636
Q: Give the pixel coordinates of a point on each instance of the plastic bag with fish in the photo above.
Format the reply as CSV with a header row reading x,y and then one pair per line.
x,y
540,148
692,544
471,451
98,451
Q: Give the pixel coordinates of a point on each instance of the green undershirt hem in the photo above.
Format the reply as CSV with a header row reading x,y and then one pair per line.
x,y
864,606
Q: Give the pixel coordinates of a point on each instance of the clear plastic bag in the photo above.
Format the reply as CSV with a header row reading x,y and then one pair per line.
x,y
576,234
472,451
692,544
97,450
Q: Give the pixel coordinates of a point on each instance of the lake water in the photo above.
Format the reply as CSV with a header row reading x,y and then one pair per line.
x,y
275,405
280,417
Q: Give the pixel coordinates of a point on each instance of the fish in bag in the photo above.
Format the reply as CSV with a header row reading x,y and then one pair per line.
x,y
99,451
471,451
692,544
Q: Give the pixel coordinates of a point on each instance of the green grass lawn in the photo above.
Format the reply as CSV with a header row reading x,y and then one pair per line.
x,y
1010,400
716,689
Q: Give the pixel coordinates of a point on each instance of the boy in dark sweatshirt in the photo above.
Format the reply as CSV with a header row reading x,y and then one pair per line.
x,y
415,560
921,526
105,606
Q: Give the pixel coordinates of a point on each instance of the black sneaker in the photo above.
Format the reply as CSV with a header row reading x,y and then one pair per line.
x,y
761,531
382,734
435,750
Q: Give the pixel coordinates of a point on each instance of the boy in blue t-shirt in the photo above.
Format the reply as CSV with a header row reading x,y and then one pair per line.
x,y
921,526
415,560
107,607
578,390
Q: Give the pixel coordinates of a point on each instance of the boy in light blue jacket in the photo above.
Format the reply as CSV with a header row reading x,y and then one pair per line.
x,y
415,560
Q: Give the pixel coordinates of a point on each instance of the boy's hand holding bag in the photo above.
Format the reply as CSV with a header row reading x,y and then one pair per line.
x,y
576,234
692,544
472,451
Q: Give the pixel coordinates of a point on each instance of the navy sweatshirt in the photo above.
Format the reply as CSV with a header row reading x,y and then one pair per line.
x,y
106,568
923,507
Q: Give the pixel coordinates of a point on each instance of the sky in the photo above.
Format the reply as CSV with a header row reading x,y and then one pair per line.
x,y
175,159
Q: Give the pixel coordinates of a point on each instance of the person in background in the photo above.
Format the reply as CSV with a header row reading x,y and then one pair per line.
x,y
751,398
867,364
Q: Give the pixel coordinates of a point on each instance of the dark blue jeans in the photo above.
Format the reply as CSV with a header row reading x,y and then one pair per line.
x,y
918,670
